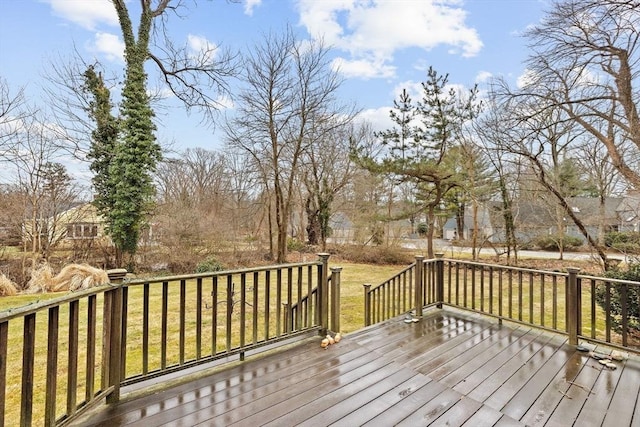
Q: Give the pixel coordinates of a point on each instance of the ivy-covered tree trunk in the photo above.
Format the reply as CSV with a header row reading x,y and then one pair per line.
x,y
104,140
137,154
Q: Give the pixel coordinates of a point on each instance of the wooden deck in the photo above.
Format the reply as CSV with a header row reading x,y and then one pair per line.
x,y
450,369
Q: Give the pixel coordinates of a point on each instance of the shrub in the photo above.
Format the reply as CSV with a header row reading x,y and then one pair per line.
x,y
379,255
632,272
552,242
7,287
209,265
625,242
295,245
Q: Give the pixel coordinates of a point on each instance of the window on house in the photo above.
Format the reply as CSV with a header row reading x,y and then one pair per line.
x,y
82,231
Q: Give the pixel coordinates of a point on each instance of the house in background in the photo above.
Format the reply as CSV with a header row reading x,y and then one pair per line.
x,y
486,230
82,223
628,212
533,220
597,219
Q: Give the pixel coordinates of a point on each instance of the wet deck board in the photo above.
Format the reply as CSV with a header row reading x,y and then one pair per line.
x,y
449,369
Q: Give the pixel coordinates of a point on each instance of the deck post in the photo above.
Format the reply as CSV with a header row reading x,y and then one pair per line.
x,y
439,280
323,291
419,284
367,304
286,308
573,318
335,298
114,337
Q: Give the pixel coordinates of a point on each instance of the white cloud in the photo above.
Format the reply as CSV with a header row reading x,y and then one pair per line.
x,y
483,77
413,88
87,14
378,118
249,5
224,102
201,48
372,31
525,79
363,68
108,45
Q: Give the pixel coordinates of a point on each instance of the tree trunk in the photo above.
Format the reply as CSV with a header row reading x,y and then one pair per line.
x,y
474,233
460,220
313,222
431,222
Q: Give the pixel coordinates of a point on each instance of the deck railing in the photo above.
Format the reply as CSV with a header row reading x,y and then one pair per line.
x,y
64,355
564,302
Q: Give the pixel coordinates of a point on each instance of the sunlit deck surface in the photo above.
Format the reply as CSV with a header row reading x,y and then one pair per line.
x,y
449,369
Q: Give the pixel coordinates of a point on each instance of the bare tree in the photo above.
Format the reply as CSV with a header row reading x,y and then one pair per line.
x,y
545,141
48,189
12,112
289,90
192,193
493,138
603,178
326,170
585,61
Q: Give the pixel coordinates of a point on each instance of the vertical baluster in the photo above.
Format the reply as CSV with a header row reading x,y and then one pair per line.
x,y
593,308
481,268
267,298
52,368
145,328
214,315
254,310
510,284
411,297
554,301
542,281
243,312
473,287
579,305
457,283
385,301
106,338
310,314
449,282
299,308
404,292
229,313
520,290
289,298
199,318
28,357
72,359
465,288
490,269
531,297
500,298
123,334
4,334
607,311
624,312
165,320
91,347
278,301
183,311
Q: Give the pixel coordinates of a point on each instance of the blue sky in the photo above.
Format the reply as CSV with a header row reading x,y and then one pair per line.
x,y
380,46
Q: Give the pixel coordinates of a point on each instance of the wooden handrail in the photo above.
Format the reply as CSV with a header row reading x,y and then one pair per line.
x,y
563,302
168,306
